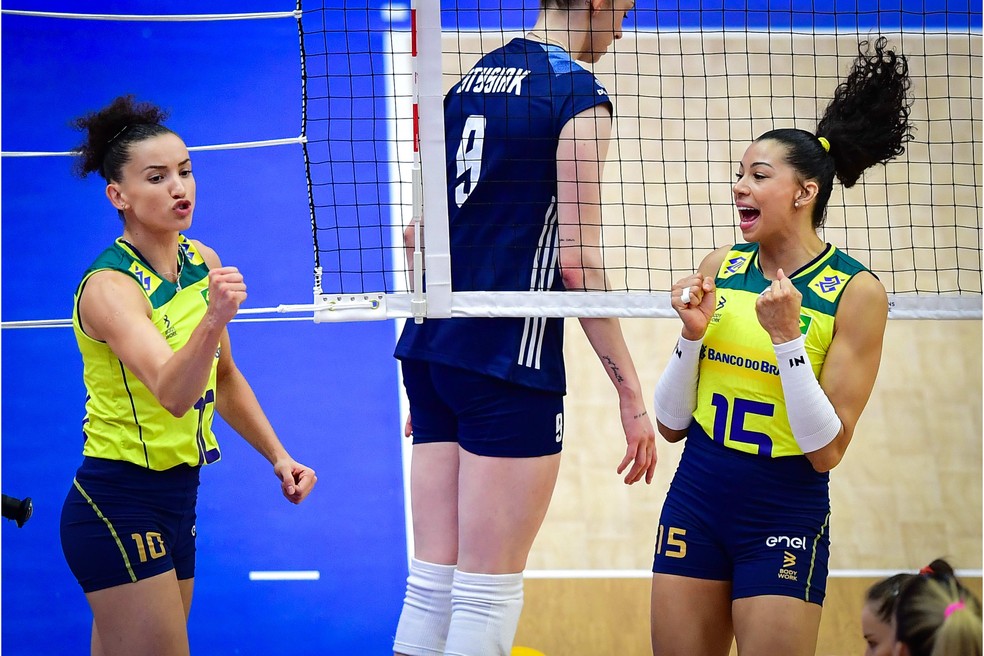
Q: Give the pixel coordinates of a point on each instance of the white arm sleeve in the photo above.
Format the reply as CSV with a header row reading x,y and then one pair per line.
x,y
676,392
812,417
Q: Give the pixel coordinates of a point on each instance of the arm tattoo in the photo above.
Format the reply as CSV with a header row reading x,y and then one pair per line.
x,y
640,415
614,367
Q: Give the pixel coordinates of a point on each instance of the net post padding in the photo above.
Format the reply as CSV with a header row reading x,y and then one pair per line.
x,y
430,99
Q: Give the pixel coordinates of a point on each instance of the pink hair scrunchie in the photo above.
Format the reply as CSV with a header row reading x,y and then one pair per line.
x,y
953,608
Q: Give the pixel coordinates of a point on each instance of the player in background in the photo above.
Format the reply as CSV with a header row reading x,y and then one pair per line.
x,y
936,615
877,624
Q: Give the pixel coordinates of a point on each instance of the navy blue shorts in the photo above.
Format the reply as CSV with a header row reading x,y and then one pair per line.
x,y
761,523
486,416
122,523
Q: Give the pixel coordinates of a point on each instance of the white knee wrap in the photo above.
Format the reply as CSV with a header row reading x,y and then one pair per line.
x,y
486,610
423,627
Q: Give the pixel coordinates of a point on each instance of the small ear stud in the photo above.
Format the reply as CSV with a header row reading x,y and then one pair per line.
x,y
796,204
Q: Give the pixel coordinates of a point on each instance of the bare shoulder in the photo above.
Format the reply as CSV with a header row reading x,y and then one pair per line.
x,y
107,298
711,263
863,303
110,286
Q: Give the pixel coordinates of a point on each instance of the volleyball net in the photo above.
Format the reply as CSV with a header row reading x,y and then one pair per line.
x,y
691,87
692,84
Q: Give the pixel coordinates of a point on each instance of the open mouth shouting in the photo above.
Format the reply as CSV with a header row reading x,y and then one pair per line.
x,y
747,215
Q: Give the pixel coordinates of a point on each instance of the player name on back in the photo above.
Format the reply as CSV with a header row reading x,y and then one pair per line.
x,y
493,80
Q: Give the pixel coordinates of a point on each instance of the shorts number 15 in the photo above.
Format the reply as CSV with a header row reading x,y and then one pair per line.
x,y
675,546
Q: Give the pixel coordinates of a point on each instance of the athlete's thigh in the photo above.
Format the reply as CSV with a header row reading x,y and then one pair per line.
x,y
146,618
501,505
187,588
433,467
434,501
774,624
690,616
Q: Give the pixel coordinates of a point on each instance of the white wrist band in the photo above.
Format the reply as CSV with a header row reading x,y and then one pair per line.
x,y
812,417
676,392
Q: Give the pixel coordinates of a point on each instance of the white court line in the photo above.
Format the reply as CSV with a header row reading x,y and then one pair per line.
x,y
646,574
315,575
286,575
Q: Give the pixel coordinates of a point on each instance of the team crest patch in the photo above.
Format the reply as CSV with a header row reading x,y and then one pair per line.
x,y
189,252
736,262
829,283
145,276
191,255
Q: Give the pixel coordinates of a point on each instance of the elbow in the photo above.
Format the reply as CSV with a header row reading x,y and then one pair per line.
x,y
828,457
822,465
582,269
177,403
669,434
573,275
175,407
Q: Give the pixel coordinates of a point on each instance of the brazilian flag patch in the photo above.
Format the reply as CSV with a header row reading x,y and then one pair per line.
x,y
805,321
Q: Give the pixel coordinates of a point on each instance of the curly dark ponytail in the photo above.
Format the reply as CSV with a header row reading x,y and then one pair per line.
x,y
111,131
866,123
868,117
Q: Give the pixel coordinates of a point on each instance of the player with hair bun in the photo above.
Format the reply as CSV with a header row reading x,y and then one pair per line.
x,y
150,320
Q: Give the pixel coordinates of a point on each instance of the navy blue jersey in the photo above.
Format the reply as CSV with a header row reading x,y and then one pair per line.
x,y
502,126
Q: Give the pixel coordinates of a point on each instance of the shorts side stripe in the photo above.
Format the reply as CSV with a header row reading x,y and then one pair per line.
x,y
813,554
109,524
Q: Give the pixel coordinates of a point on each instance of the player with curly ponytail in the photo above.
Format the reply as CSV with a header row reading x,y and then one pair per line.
x,y
866,123
779,351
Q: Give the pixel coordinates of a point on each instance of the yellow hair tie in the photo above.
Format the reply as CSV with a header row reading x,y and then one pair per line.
x,y
824,143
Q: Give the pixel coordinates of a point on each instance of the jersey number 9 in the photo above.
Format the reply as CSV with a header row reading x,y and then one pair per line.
x,y
469,158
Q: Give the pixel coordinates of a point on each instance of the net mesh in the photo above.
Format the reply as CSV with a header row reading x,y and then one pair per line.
x,y
692,86
355,70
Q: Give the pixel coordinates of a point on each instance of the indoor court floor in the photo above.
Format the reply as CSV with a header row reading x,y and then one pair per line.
x,y
327,577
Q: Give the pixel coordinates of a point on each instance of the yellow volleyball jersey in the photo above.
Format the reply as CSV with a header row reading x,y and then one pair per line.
x,y
124,421
739,395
